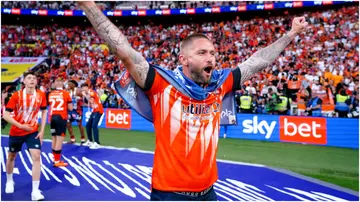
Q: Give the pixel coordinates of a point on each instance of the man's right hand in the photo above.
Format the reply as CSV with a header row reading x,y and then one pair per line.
x,y
26,127
134,62
84,3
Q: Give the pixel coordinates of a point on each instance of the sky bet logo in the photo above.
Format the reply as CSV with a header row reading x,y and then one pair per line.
x,y
118,118
60,13
162,12
254,126
65,13
200,108
212,10
309,130
6,10
39,12
114,13
34,12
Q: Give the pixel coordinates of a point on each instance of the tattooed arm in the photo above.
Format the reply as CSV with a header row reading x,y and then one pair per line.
x,y
135,63
264,57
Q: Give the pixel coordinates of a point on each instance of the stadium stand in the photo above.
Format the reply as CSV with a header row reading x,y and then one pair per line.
x,y
284,154
319,63
123,5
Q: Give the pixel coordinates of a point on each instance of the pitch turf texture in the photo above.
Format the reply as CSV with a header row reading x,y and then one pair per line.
x,y
339,166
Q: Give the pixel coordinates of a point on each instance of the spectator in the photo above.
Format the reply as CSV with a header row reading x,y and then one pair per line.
x,y
343,103
272,100
314,106
246,103
354,105
283,107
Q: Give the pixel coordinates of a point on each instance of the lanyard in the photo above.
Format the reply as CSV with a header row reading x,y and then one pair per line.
x,y
28,112
73,92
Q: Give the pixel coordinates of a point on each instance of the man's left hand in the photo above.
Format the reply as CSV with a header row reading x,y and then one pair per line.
x,y
40,136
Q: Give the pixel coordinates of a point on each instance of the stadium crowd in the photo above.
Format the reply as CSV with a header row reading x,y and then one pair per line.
x,y
123,5
319,68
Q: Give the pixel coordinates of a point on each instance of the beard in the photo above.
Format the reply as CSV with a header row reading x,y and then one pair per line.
x,y
201,76
197,75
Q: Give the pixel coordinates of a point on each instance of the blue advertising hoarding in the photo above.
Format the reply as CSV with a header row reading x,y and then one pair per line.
x,y
165,12
337,132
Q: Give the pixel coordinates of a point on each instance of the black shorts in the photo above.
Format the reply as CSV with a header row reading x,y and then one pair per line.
x,y
206,195
58,125
16,142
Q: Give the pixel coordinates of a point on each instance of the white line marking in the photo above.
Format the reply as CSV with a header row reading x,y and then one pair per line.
x,y
151,152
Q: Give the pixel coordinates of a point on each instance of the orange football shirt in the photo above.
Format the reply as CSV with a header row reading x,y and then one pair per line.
x,y
59,100
96,105
25,108
187,133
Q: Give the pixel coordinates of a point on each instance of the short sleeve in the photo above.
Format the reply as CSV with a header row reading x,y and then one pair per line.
x,y
67,98
150,79
158,83
236,79
10,107
43,105
233,82
48,99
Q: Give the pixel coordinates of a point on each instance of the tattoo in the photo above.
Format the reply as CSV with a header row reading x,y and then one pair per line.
x,y
117,42
263,58
141,65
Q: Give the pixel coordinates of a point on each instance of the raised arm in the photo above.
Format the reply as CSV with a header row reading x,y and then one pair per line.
x,y
264,57
135,63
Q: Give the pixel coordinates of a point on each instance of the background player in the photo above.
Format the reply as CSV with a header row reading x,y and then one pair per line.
x,y
77,100
97,111
60,103
25,106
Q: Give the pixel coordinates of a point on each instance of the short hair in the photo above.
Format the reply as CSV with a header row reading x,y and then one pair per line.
x,y
74,82
84,85
59,79
28,73
189,39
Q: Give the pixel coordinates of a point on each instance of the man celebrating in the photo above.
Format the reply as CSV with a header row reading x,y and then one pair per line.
x,y
25,106
76,96
60,103
186,105
97,110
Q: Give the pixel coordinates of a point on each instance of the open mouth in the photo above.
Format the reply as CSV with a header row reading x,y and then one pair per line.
x,y
208,69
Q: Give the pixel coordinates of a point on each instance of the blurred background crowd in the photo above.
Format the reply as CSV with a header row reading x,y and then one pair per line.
x,y
317,74
123,5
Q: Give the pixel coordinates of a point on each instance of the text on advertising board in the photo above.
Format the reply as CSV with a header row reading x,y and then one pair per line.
x,y
255,126
303,129
118,118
